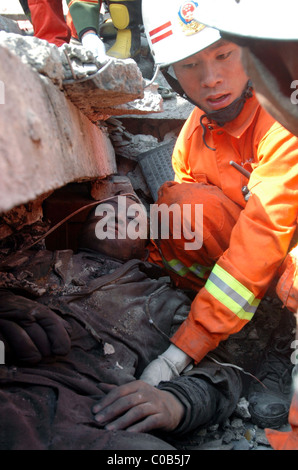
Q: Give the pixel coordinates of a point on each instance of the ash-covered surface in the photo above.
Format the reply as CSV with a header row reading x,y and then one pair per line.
x,y
238,432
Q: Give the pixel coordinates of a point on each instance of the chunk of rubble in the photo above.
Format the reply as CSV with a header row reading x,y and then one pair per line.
x,y
43,57
108,349
117,82
98,90
241,410
46,141
10,26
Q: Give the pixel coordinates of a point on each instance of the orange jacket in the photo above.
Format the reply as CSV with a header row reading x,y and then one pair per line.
x,y
261,237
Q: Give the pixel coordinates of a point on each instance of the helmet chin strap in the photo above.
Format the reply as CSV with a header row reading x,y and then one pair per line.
x,y
221,116
227,114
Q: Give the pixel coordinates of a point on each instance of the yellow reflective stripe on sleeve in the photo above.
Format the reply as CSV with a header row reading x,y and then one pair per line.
x,y
199,270
177,266
182,270
231,293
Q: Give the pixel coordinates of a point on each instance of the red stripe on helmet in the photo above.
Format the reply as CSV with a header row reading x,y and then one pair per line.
x,y
160,28
162,36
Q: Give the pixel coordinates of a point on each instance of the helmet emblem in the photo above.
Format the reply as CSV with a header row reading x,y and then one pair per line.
x,y
186,15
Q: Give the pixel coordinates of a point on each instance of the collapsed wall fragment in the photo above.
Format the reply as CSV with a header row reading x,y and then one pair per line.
x,y
54,105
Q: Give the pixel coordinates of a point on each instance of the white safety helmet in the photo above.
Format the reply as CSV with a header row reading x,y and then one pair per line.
x,y
263,19
172,32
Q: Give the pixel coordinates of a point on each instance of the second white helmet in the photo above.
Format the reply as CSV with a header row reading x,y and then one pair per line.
x,y
172,32
263,19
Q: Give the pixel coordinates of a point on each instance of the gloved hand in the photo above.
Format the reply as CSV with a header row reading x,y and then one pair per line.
x,y
30,330
167,366
92,42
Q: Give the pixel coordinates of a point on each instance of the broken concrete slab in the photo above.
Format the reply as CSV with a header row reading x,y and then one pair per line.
x,y
117,82
49,142
150,104
43,57
116,88
10,26
98,90
46,142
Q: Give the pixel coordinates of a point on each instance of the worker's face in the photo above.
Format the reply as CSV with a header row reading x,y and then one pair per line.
x,y
214,77
273,69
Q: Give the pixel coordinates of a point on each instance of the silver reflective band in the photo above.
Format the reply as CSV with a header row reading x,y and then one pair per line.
x,y
231,293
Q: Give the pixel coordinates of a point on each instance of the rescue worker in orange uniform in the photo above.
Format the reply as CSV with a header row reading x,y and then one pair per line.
x,y
269,55
236,160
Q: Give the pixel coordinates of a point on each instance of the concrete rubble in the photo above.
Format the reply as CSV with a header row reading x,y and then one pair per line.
x,y
45,136
95,88
47,107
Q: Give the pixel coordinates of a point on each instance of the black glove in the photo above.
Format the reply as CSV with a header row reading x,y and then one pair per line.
x,y
30,330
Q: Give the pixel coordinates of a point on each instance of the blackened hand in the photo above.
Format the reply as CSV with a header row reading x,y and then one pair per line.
x,y
31,330
138,407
